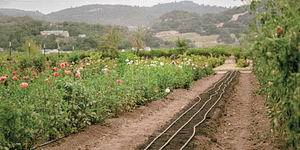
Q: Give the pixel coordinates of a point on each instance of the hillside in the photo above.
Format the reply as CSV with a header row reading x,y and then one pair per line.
x,y
224,27
116,14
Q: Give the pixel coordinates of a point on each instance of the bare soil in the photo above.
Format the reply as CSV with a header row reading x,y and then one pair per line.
x,y
240,122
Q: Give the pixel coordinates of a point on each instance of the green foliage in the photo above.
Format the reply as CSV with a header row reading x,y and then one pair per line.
x,y
182,45
237,52
109,42
274,41
137,40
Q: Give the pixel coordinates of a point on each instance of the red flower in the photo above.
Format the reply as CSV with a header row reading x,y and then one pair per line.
x,y
25,77
115,66
286,139
13,73
55,74
23,85
62,65
46,80
80,61
77,75
15,78
56,64
119,81
5,83
31,80
66,64
36,77
91,63
55,68
34,74
107,71
6,76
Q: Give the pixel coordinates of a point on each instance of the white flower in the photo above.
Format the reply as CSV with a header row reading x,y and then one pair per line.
x,y
73,63
185,58
161,63
131,61
190,60
167,90
180,66
123,50
192,64
127,60
194,68
88,64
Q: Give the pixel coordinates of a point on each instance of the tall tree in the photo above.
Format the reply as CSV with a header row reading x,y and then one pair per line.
x,y
137,39
110,41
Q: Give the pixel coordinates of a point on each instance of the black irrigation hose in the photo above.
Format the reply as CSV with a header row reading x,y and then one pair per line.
x,y
49,142
186,112
216,92
207,113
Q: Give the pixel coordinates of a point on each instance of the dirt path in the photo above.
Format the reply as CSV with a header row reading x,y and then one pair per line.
x,y
134,128
240,122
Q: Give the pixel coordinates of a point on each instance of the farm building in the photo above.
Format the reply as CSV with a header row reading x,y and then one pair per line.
x,y
55,32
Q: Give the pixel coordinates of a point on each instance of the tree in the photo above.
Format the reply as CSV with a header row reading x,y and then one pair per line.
x,y
34,48
181,44
137,39
110,41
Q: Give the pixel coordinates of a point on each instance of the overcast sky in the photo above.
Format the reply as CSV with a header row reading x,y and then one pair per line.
x,y
48,6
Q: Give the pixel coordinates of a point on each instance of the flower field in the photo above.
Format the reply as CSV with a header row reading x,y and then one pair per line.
x,y
45,102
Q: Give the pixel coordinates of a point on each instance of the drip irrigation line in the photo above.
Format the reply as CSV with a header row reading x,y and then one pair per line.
x,y
184,113
216,92
49,142
207,113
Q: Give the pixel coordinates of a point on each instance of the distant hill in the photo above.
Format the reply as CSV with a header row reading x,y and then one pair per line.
x,y
116,14
228,25
21,13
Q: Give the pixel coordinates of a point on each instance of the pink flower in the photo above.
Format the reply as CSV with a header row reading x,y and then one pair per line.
x,y
62,65
6,76
14,60
119,81
13,73
67,72
107,71
55,68
34,74
77,75
115,66
2,78
36,77
15,78
22,85
25,77
46,80
55,74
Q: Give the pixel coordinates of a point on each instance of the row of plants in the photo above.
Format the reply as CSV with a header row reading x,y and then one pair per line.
x,y
274,42
46,101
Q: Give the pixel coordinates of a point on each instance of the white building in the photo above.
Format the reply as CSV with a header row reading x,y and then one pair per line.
x,y
55,32
82,35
